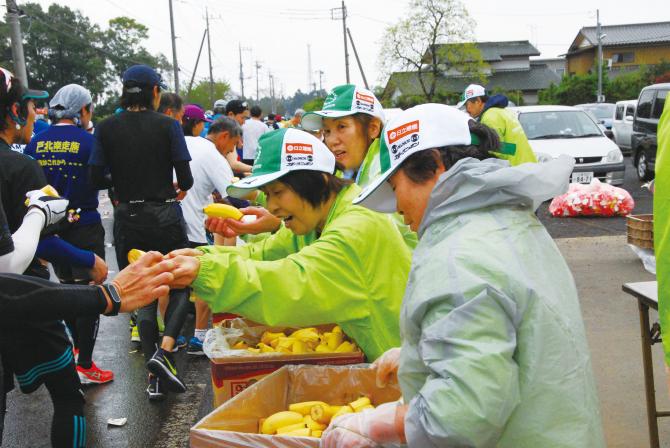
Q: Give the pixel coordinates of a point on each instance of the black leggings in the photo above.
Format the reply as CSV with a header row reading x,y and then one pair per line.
x,y
68,427
175,315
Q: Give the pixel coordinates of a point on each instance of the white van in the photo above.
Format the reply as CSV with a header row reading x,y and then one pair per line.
x,y
622,125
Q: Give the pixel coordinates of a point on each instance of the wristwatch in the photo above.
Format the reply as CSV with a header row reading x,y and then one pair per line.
x,y
113,294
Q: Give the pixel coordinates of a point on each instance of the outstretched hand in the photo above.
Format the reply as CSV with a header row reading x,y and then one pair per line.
x,y
142,282
230,228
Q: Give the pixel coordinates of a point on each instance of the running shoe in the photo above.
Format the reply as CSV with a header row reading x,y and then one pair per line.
x,y
135,334
195,347
163,366
180,343
94,375
154,389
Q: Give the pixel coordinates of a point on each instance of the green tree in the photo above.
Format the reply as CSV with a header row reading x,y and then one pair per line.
x,y
430,42
200,93
60,48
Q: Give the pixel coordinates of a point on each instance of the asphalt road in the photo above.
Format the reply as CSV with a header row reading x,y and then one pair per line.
x,y
166,424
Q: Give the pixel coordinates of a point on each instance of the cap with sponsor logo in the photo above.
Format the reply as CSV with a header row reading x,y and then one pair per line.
x,y
422,127
471,91
280,152
344,100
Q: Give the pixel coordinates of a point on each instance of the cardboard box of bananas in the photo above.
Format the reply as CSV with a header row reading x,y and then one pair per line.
x,y
292,407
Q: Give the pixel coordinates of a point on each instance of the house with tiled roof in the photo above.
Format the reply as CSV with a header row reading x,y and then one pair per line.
x,y
507,66
625,47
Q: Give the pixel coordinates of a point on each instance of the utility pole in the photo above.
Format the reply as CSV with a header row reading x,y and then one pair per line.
x,y
13,14
309,66
272,94
239,46
209,51
333,14
600,98
197,60
258,66
174,51
360,67
320,72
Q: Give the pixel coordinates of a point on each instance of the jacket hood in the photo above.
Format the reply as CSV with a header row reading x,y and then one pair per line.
x,y
472,184
499,101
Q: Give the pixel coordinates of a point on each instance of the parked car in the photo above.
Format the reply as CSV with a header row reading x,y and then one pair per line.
x,y
556,130
645,124
602,112
622,125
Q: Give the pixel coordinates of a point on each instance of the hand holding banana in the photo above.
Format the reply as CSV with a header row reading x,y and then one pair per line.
x,y
231,222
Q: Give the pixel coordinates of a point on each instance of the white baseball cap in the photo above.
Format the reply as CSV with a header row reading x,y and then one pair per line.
x,y
422,127
347,99
471,91
280,152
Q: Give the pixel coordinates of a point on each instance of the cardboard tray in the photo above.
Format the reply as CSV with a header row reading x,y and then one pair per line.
x,y
235,423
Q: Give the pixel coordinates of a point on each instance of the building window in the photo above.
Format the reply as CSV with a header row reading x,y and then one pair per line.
x,y
623,58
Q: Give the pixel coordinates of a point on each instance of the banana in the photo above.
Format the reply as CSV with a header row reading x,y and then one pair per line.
x,y
222,211
304,432
310,335
268,337
333,340
346,347
299,347
369,406
290,428
134,255
343,410
280,419
358,405
337,329
304,406
241,345
317,433
264,348
311,424
321,348
284,344
323,413
254,350
48,190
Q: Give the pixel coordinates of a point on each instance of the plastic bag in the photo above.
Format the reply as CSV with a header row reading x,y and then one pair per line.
x,y
647,256
219,340
594,199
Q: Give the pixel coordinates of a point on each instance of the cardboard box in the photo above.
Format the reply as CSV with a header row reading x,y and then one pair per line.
x,y
232,374
235,423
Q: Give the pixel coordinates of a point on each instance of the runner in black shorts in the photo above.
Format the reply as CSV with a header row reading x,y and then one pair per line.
x,y
140,148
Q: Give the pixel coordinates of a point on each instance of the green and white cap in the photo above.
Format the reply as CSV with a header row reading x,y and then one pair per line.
x,y
344,100
280,152
471,91
422,127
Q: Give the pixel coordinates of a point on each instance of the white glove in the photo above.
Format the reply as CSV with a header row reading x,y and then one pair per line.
x,y
54,208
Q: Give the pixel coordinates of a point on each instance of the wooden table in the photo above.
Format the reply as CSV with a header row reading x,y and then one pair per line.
x,y
646,294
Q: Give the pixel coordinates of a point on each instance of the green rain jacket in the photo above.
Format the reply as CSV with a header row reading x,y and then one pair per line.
x,y
494,349
510,131
353,274
662,223
369,171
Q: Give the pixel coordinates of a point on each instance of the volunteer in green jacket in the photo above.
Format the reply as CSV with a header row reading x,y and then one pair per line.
x,y
662,223
491,112
331,262
494,350
351,121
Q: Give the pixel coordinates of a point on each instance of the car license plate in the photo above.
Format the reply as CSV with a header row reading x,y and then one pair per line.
x,y
582,178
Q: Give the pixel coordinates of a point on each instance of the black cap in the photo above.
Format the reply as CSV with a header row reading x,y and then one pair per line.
x,y
143,74
236,106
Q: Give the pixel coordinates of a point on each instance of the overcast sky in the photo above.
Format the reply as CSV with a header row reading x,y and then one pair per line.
x,y
277,33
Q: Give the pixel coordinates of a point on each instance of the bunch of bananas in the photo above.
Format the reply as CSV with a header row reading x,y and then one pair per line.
x,y
308,418
305,340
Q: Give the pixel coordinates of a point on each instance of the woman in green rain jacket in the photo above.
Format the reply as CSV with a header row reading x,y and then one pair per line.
x,y
332,262
494,350
351,121
662,223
